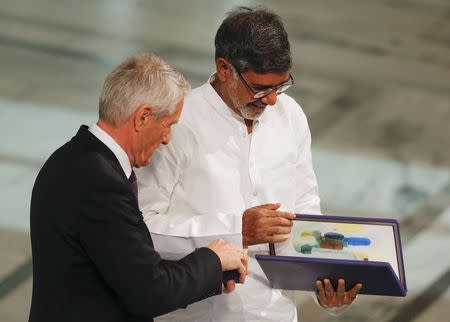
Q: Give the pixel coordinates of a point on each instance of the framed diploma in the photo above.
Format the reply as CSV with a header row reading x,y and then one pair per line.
x,y
365,250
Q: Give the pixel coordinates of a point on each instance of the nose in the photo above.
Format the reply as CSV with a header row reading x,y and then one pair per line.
x,y
270,99
166,139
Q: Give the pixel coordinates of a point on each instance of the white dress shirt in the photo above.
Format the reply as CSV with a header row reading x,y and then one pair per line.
x,y
196,188
120,154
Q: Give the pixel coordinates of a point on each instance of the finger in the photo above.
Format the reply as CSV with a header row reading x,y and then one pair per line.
x,y
341,287
244,262
328,286
242,276
340,294
277,238
242,272
283,214
321,293
329,290
229,287
287,215
278,230
278,221
354,291
319,286
270,206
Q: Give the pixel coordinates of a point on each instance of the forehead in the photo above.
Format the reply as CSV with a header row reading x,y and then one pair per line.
x,y
265,79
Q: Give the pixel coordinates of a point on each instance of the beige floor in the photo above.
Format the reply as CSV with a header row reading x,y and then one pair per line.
x,y
372,76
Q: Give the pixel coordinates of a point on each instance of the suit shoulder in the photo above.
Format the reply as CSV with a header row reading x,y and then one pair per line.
x,y
81,163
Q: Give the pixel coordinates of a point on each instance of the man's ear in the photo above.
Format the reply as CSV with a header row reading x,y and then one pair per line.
x,y
223,69
142,117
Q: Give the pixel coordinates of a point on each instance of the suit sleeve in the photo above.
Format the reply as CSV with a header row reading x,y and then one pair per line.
x,y
117,241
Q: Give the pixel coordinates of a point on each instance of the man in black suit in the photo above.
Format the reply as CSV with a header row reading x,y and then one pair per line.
x,y
93,257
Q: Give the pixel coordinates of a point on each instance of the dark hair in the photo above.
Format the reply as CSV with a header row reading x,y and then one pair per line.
x,y
254,39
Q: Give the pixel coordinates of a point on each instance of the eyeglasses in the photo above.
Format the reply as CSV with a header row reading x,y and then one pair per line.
x,y
260,94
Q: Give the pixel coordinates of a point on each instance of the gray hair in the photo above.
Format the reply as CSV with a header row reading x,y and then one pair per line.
x,y
141,79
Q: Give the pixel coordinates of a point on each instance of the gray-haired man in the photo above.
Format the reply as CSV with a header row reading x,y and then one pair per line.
x,y
93,258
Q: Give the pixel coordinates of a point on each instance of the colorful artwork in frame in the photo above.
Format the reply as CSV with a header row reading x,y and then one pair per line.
x,y
340,240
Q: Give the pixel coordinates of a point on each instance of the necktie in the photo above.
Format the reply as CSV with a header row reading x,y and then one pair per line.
x,y
133,183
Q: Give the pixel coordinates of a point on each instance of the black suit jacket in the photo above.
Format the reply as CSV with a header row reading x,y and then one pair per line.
x,y
93,257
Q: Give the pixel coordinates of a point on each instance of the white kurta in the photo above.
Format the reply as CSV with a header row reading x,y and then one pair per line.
x,y
197,187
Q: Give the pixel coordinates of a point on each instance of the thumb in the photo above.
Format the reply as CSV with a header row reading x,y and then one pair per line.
x,y
270,206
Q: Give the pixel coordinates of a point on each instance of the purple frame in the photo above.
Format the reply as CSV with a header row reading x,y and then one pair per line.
x,y
278,268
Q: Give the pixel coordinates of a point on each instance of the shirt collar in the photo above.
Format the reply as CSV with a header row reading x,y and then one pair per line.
x,y
120,154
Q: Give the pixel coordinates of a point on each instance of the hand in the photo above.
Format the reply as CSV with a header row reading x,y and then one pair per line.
x,y
229,287
329,298
265,224
232,258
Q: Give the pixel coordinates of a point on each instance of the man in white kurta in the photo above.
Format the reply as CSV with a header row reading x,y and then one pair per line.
x,y
238,167
197,187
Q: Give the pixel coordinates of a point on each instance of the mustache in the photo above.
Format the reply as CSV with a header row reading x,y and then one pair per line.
x,y
255,104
